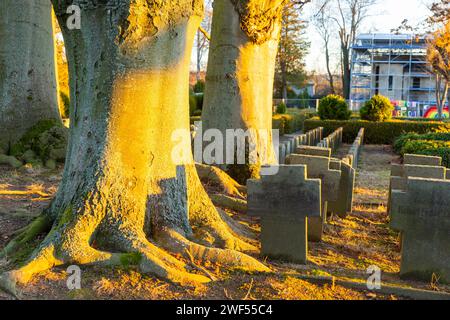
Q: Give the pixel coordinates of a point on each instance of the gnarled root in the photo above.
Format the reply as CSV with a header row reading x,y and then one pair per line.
x,y
208,224
40,225
221,179
226,258
234,204
67,246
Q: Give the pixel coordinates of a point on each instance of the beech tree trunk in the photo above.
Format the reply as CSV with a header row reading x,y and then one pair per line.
x,y
28,88
241,67
124,184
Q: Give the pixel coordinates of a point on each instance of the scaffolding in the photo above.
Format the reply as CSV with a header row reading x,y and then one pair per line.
x,y
394,66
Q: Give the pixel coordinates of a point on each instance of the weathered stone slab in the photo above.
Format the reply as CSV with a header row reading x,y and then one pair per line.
x,y
281,153
424,171
422,213
401,173
319,168
284,202
344,204
422,160
353,155
333,141
314,151
335,164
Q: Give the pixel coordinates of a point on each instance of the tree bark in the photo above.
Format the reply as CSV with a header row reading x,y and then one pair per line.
x,y
124,184
241,67
28,88
330,73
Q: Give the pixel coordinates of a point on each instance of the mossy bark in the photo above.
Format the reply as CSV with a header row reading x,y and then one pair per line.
x,y
122,190
28,88
240,75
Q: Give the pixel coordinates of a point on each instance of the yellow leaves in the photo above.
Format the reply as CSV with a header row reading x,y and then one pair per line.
x,y
439,52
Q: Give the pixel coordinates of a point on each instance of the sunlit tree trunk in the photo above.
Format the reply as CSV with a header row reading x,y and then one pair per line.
x,y
28,90
241,66
130,175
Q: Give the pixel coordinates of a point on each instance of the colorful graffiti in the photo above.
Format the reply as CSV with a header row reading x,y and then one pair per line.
x,y
432,113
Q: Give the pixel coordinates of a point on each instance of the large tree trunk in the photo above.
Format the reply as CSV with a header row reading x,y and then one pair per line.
x,y
241,67
130,176
28,89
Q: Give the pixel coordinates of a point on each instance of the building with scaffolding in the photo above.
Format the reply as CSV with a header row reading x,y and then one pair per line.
x,y
394,66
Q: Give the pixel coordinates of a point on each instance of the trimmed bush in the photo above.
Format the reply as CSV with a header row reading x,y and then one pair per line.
x,y
192,105
402,140
199,97
377,109
281,108
334,107
199,87
377,132
288,123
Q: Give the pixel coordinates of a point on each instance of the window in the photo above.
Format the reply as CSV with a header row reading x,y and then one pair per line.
x,y
416,83
391,83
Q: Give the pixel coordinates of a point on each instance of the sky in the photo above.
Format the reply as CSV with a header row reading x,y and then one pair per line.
x,y
387,15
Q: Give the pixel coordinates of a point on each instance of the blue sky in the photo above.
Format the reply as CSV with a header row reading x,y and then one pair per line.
x,y
387,15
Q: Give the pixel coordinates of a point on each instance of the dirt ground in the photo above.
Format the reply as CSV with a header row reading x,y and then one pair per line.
x,y
349,248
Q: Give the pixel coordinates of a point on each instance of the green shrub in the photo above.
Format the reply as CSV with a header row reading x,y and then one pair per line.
x,y
197,113
377,132
377,109
281,108
64,108
199,97
199,87
192,105
402,140
289,123
334,107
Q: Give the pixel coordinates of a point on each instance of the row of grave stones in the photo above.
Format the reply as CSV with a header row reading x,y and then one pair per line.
x,y
290,142
355,149
333,141
419,207
294,204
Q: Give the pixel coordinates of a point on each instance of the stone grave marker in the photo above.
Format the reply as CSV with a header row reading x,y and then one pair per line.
x,y
319,168
422,213
285,202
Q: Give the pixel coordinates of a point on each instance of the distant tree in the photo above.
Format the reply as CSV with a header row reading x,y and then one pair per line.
x,y
203,38
292,49
440,11
324,26
349,16
438,56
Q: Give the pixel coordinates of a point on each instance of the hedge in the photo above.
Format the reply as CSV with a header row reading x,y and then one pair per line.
x,y
287,123
377,132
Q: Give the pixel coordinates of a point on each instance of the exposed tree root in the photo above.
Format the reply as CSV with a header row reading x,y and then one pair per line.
x,y
220,179
40,225
206,221
229,259
234,204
